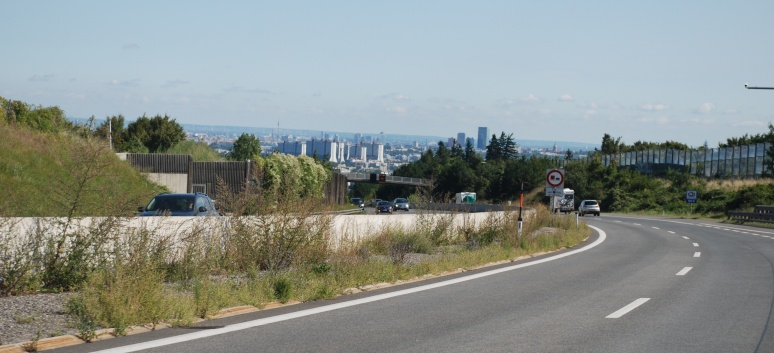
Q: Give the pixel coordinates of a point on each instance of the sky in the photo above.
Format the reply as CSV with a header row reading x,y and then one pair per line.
x,y
650,71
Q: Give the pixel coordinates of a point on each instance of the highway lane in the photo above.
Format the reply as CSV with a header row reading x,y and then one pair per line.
x,y
650,285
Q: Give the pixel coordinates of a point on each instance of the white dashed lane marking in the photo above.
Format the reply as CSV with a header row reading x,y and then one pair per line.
x,y
684,271
625,310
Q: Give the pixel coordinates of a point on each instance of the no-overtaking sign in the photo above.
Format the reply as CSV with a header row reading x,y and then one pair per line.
x,y
555,178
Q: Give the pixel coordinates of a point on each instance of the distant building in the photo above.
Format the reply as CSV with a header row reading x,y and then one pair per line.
x,y
483,133
373,152
325,149
461,139
471,140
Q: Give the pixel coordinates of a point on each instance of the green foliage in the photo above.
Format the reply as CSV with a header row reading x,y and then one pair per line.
x,y
503,148
290,177
282,289
39,118
113,129
157,134
200,151
53,175
247,146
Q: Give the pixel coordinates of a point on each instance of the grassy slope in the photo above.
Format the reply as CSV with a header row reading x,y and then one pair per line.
x,y
45,174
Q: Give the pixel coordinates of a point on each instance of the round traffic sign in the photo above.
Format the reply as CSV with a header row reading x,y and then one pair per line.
x,y
555,178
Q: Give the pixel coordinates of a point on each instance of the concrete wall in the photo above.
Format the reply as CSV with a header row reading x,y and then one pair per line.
x,y
345,229
176,183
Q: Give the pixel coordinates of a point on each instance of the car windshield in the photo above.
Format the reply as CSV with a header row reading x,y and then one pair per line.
x,y
171,203
401,200
384,203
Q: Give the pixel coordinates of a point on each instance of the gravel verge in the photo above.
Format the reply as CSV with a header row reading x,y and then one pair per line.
x,y
28,317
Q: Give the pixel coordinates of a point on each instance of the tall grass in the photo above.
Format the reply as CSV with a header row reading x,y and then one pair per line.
x,y
128,273
60,175
284,256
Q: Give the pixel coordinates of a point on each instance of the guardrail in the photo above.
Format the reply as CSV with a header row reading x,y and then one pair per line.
x,y
761,213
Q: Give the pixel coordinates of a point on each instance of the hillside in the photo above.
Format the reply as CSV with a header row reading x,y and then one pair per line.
x,y
58,174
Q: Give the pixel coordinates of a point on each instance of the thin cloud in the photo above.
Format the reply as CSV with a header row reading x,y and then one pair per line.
x,y
531,98
705,108
121,83
653,107
398,97
397,110
175,83
239,89
565,98
753,124
42,78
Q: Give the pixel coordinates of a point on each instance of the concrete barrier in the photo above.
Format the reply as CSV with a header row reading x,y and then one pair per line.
x,y
346,230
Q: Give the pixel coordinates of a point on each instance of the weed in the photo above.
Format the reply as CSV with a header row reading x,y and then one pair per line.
x,y
24,320
320,269
282,289
32,345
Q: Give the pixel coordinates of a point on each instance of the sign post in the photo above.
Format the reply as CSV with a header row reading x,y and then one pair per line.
x,y
554,181
521,205
690,198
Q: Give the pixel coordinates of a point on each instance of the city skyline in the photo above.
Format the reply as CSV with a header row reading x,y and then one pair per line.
x,y
568,71
235,131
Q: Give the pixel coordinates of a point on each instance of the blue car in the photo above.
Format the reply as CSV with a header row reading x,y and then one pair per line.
x,y
197,204
384,207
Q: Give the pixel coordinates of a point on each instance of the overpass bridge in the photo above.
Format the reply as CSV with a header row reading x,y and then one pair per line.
x,y
387,179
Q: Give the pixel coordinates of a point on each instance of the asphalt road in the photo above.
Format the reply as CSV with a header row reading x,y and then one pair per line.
x,y
638,285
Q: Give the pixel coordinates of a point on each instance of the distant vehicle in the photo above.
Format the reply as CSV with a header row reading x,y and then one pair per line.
x,y
588,207
565,202
196,204
384,207
375,202
465,197
357,202
400,204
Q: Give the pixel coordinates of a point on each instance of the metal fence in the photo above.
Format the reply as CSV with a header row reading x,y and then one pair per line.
x,y
748,161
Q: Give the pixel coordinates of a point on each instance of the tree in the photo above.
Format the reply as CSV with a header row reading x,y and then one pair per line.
x,y
48,119
494,150
113,129
508,146
501,149
610,145
157,134
471,156
247,146
442,154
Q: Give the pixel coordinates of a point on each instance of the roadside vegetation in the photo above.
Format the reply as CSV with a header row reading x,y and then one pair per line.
x,y
277,247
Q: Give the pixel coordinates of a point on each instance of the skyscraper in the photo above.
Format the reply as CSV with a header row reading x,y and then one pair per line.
x,y
483,139
461,139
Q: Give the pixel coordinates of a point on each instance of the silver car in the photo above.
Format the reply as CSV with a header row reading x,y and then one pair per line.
x,y
588,207
400,204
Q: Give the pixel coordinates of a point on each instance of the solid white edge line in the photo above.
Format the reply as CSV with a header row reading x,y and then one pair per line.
x,y
270,320
684,271
625,310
